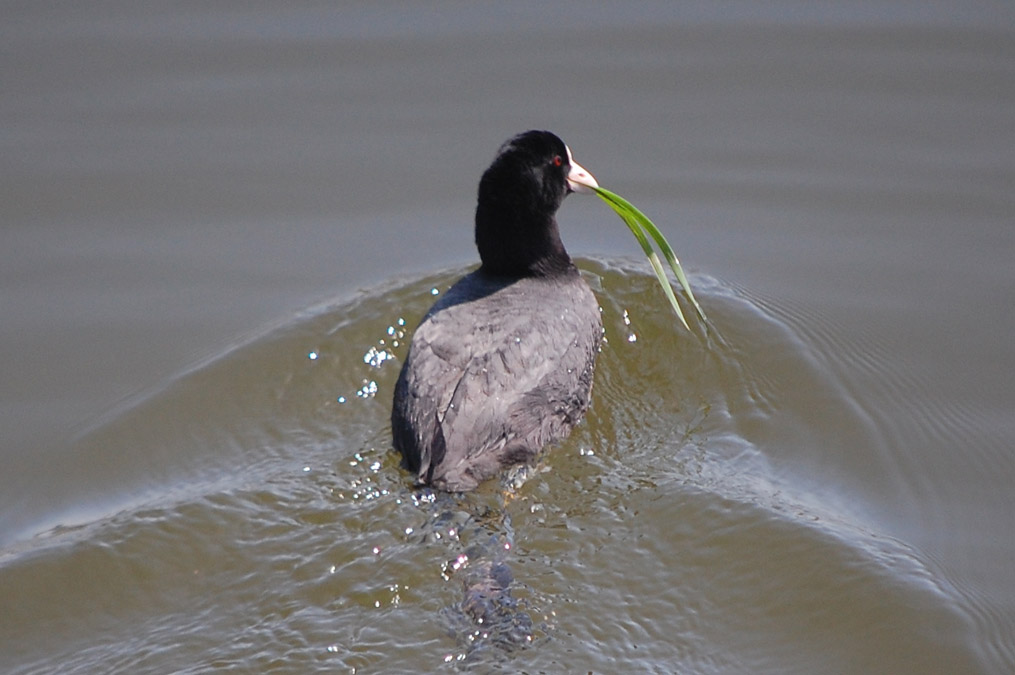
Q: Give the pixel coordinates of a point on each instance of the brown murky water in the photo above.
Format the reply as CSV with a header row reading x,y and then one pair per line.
x,y
197,200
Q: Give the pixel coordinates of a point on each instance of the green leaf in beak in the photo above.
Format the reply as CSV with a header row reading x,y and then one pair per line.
x,y
643,228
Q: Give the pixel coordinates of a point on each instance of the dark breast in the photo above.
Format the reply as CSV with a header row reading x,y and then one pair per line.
x,y
496,370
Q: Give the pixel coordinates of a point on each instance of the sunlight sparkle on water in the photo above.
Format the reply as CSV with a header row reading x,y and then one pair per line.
x,y
376,357
397,334
427,497
631,337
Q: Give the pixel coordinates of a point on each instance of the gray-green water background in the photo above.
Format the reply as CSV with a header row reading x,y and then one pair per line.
x,y
196,197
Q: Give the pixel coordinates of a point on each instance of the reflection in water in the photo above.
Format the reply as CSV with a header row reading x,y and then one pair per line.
x,y
702,517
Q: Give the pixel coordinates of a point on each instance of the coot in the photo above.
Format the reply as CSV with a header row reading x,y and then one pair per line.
x,y
502,364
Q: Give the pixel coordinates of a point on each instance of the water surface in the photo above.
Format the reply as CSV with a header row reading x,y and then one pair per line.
x,y
198,198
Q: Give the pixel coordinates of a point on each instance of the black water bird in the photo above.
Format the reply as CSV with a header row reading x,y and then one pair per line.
x,y
502,364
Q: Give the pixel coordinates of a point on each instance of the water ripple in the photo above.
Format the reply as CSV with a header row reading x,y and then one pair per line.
x,y
252,514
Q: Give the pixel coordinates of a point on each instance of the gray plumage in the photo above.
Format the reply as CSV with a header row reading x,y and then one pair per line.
x,y
469,403
502,365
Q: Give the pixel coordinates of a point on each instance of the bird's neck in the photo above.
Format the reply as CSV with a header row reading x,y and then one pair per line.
x,y
513,244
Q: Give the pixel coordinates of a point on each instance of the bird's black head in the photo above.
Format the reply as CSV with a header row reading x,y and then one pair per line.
x,y
516,232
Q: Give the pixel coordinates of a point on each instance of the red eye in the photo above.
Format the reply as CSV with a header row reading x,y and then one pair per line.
x,y
558,161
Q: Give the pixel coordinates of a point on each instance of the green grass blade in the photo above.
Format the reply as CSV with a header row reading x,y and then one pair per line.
x,y
657,266
671,258
639,224
652,256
